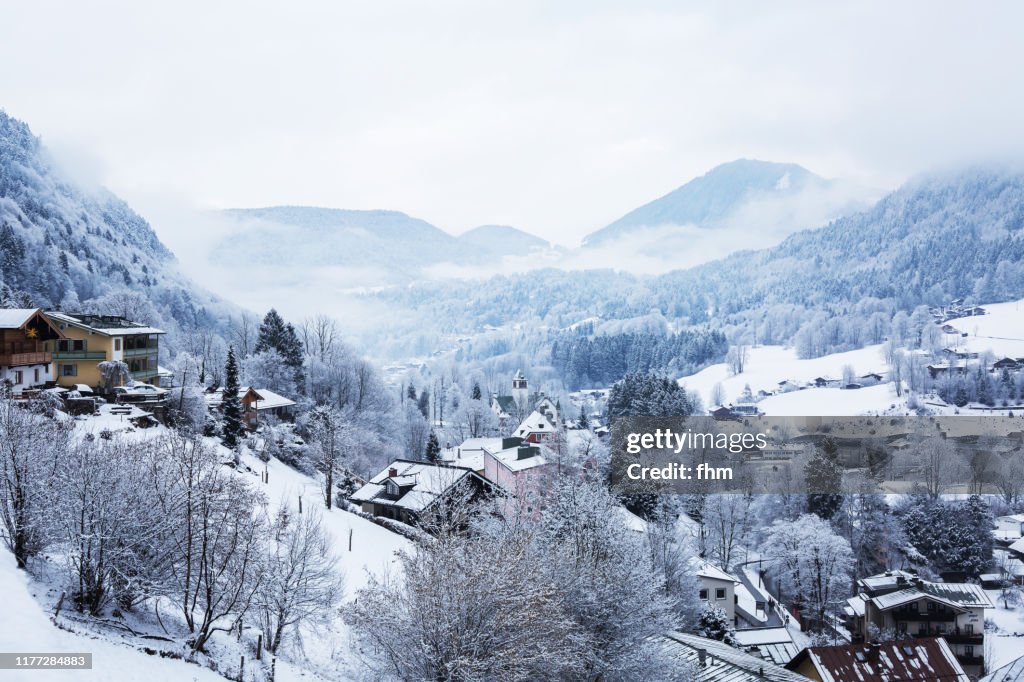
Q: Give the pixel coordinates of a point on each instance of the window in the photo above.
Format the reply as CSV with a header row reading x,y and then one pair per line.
x,y
703,595
117,344
17,376
969,651
969,629
719,593
35,375
931,607
69,370
68,345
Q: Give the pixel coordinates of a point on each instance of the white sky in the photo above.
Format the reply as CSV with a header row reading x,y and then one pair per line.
x,y
553,117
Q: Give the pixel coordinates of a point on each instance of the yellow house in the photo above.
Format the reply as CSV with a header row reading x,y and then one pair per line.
x,y
92,339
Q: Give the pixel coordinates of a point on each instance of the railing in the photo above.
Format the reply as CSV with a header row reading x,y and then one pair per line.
x,y
80,355
33,358
963,638
922,616
135,352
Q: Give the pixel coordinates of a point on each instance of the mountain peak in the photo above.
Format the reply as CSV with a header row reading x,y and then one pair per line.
x,y
710,199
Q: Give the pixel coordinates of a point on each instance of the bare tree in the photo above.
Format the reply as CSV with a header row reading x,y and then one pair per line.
x,y
320,336
217,526
301,580
29,447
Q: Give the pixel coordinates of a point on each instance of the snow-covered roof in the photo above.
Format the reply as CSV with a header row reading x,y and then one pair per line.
x,y
724,663
957,596
537,422
772,644
856,605
427,483
266,399
1018,546
510,457
13,318
920,660
712,572
127,328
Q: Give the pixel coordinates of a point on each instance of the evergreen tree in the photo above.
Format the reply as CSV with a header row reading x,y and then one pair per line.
x,y
583,421
231,406
411,393
477,394
714,624
824,478
276,334
424,403
433,452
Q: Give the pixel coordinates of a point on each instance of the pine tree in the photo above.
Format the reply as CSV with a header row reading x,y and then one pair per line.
x,y
477,394
424,403
714,624
824,477
583,421
231,405
411,393
433,452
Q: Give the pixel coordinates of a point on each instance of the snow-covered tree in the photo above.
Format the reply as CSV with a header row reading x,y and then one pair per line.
x,y
811,563
301,579
714,624
113,373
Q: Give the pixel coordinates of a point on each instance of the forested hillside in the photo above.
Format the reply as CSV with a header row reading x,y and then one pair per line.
x,y
63,246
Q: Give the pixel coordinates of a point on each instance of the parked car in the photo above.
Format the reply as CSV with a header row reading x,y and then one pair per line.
x,y
139,391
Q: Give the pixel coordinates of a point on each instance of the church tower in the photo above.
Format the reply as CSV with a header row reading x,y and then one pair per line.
x,y
520,388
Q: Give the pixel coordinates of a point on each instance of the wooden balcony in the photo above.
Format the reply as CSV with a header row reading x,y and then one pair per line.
x,y
80,355
22,359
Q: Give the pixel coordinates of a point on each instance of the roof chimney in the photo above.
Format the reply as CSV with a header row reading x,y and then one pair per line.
x,y
702,657
392,472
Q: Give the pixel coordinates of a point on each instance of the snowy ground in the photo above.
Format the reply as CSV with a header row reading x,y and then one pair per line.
x,y
326,651
1007,640
766,366
835,402
1000,330
25,627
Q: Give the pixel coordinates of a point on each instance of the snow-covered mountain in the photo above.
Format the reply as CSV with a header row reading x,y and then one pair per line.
x,y
502,239
75,247
738,193
386,246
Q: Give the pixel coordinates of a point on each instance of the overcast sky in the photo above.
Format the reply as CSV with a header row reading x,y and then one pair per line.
x,y
553,117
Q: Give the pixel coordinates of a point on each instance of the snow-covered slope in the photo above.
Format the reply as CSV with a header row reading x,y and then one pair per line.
x,y
999,331
766,366
24,627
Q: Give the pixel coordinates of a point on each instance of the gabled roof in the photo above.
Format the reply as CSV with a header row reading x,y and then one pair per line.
x,y
427,484
922,659
265,399
14,318
506,402
723,663
705,569
537,422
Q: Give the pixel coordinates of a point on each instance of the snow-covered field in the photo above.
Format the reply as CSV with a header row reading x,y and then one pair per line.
x,y
766,366
1000,330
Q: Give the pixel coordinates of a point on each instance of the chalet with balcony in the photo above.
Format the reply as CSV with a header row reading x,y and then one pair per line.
x,y
256,403
87,340
24,359
901,603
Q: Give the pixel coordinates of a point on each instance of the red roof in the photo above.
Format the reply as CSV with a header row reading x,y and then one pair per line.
x,y
919,659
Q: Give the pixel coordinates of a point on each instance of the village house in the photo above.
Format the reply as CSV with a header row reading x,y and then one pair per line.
x,y
1010,364
717,588
406,490
87,340
537,428
902,603
774,644
1009,528
522,469
24,360
917,660
256,403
